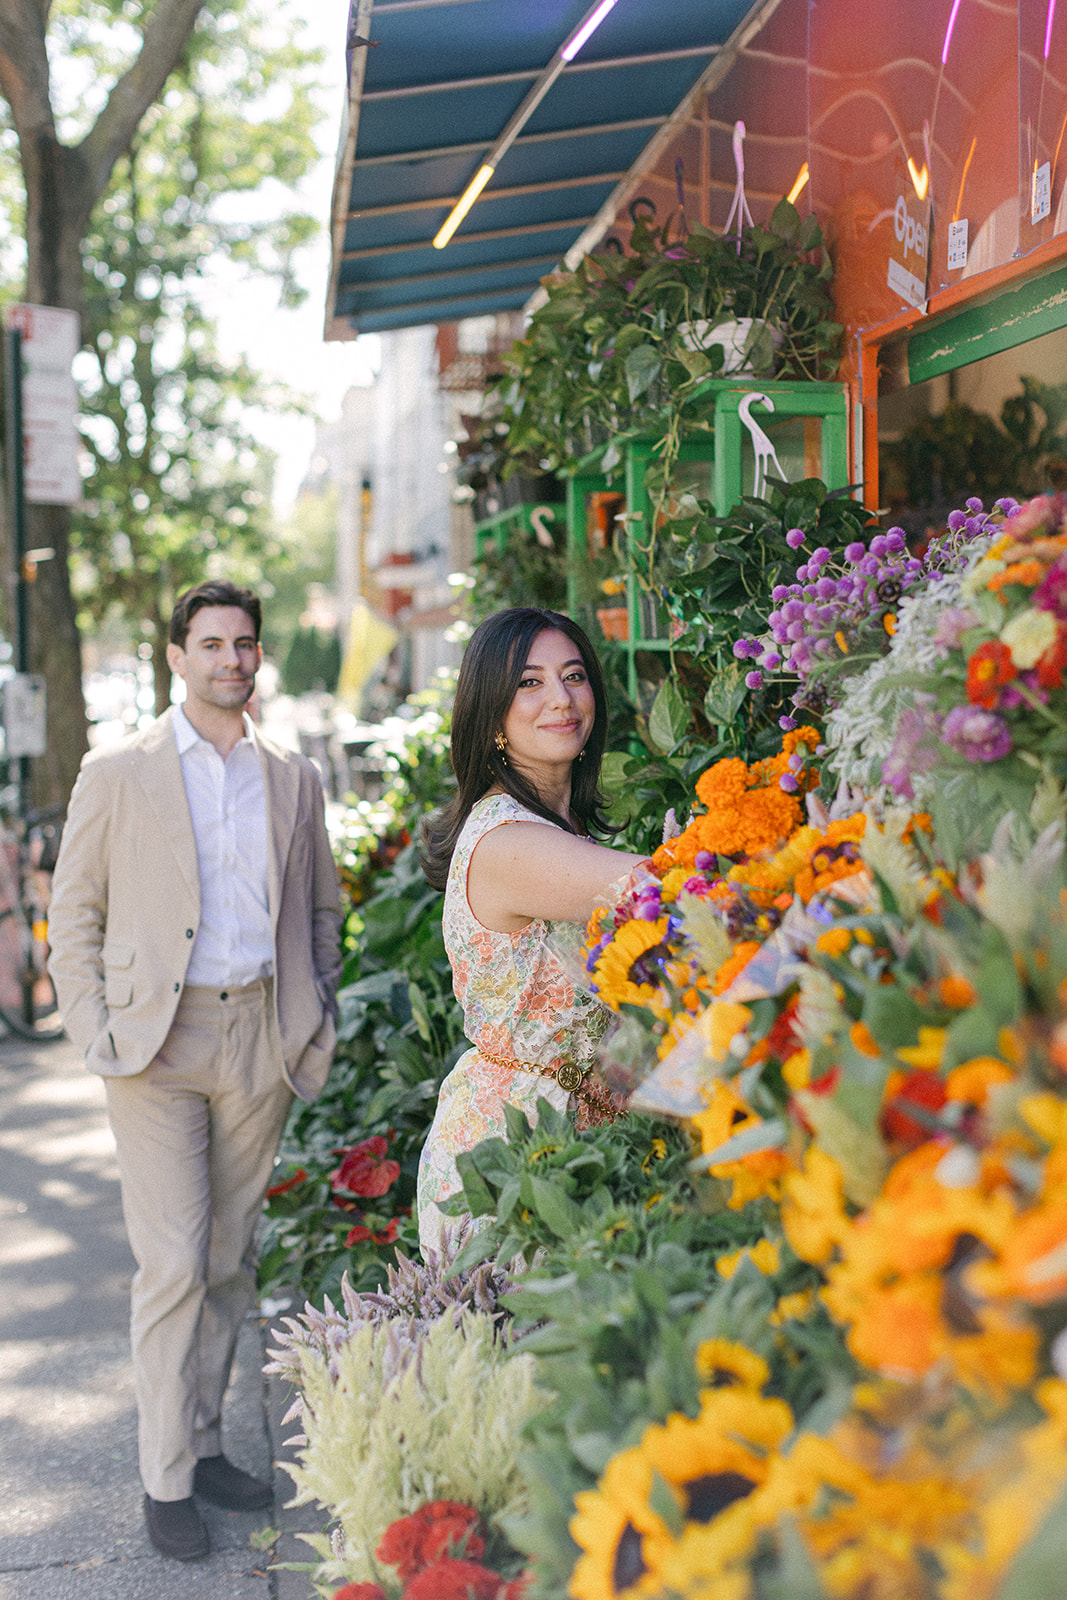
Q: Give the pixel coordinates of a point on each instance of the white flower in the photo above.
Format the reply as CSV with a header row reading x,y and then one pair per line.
x,y
1028,636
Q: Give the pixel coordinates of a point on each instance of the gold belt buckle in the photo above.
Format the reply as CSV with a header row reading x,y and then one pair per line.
x,y
569,1077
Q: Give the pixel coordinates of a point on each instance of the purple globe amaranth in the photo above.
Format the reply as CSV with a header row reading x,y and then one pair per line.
x,y
977,734
787,724
795,538
855,551
754,679
788,783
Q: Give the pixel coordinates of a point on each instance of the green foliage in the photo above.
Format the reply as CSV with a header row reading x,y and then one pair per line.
x,y
524,574
715,574
400,1032
179,486
609,350
313,662
944,460
622,1290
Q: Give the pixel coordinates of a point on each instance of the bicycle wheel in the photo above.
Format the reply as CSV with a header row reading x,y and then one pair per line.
x,y
39,1016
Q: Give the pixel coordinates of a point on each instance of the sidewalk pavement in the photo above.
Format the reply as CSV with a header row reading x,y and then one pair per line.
x,y
71,1524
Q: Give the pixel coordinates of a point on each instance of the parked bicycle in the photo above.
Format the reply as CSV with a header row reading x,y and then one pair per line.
x,y
29,847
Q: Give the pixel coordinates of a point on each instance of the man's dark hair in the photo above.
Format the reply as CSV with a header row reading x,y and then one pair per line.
x,y
215,592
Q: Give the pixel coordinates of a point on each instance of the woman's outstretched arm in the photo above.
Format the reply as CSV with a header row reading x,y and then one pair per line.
x,y
524,870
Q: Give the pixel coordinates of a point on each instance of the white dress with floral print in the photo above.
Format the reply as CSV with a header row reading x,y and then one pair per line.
x,y
519,1003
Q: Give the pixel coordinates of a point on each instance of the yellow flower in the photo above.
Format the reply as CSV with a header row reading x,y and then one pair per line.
x,y
612,973
672,882
834,942
796,1069
929,1050
763,1255
813,1207
619,1533
1028,635
725,1364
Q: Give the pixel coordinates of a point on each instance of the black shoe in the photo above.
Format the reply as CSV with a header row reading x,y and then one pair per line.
x,y
219,1481
175,1528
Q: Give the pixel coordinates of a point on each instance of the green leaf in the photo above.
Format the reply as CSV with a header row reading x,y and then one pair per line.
x,y
557,1210
1037,1572
669,720
643,366
725,696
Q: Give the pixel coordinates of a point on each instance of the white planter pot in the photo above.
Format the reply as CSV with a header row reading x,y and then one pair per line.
x,y
734,337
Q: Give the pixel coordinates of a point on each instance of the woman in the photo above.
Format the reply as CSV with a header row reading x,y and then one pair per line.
x,y
514,857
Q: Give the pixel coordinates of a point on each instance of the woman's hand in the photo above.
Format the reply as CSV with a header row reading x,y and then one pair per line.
x,y
524,870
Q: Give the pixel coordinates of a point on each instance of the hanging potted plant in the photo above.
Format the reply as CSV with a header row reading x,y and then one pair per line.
x,y
619,343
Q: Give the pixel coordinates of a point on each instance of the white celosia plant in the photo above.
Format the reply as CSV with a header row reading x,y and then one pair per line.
x,y
399,1411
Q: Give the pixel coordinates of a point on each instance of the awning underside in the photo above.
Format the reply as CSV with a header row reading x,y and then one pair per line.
x,y
441,81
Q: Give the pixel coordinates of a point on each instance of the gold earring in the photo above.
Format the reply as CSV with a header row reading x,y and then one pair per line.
x,y
501,742
581,753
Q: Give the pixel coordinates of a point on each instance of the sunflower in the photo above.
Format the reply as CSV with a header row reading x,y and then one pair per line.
x,y
724,1364
619,1533
813,1207
613,972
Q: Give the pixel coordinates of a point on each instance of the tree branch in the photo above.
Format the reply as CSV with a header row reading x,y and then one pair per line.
x,y
164,39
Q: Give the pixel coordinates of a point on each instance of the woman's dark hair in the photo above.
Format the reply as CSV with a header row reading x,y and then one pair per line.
x,y
489,677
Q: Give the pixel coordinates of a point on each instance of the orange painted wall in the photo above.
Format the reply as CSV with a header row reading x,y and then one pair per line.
x,y
856,88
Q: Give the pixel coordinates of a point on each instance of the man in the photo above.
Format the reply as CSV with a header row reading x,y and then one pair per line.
x,y
195,953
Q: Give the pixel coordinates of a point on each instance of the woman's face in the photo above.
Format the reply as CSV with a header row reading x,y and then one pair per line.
x,y
552,714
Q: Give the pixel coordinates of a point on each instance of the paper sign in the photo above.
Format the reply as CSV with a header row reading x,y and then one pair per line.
x,y
1041,193
25,730
50,339
957,245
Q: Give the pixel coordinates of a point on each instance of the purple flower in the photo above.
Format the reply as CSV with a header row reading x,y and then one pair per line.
x,y
795,632
914,751
952,624
895,541
788,783
770,659
703,860
779,593
979,735
855,551
869,566
878,545
802,574
754,679
787,724
826,588
795,763
793,611
956,520
795,538
974,505
820,557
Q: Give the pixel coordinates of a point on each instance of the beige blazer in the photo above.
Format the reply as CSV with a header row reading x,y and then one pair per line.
x,y
126,906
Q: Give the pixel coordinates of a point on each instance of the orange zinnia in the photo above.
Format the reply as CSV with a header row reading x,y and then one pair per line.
x,y
988,668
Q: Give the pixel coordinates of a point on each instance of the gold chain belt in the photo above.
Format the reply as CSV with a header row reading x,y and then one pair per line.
x,y
569,1075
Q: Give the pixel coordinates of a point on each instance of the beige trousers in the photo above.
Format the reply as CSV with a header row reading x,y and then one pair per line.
x,y
196,1133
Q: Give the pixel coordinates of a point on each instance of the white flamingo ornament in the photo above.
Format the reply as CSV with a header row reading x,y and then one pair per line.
x,y
762,447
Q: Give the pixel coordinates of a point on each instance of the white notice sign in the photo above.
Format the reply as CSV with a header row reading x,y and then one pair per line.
x,y
50,339
25,725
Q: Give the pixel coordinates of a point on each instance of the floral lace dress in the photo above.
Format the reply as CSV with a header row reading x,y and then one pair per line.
x,y
519,1004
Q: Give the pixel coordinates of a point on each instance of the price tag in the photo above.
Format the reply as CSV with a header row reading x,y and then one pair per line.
x,y
1041,193
957,245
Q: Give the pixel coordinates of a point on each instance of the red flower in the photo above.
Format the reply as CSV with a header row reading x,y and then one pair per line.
x,y
456,1580
360,1234
363,1171
411,1543
988,668
1050,667
782,1039
922,1089
290,1183
360,1591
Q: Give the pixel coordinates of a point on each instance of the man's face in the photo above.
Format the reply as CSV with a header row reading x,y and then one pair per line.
x,y
220,658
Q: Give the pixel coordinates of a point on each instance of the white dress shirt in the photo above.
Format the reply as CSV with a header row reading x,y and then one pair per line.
x,y
234,944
